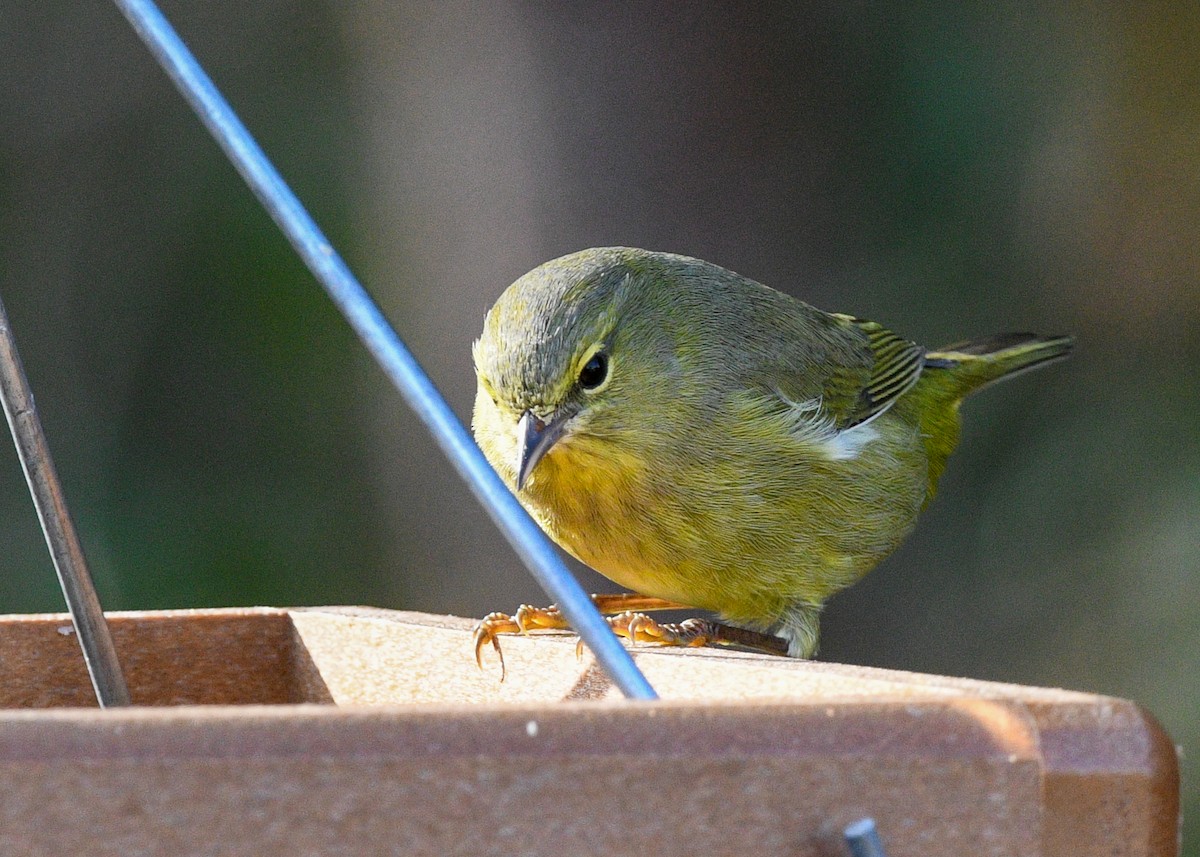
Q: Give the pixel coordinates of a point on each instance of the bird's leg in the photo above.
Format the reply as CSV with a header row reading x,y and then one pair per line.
x,y
529,618
626,615
640,628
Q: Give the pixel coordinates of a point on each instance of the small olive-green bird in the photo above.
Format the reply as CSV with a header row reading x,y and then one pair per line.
x,y
707,441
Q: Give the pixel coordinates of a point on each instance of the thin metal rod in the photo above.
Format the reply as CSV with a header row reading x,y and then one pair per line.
x,y
65,550
383,343
862,837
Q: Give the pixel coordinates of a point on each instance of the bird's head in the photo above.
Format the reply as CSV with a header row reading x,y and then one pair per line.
x,y
570,357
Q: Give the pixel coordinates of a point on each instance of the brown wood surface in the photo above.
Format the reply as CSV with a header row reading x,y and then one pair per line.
x,y
235,748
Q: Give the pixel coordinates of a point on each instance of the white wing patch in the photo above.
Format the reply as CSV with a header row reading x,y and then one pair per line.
x,y
810,425
846,445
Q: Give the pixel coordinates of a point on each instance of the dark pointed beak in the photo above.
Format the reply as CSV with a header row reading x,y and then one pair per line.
x,y
534,439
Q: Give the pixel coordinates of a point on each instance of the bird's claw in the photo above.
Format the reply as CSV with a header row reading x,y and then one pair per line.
x,y
530,618
488,630
527,618
640,628
632,624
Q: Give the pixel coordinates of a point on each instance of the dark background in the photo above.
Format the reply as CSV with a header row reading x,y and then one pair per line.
x,y
948,169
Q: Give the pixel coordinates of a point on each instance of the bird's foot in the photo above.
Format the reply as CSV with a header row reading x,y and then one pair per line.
x,y
529,618
626,616
640,628
694,632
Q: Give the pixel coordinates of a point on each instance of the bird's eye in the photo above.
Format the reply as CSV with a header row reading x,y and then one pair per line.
x,y
594,372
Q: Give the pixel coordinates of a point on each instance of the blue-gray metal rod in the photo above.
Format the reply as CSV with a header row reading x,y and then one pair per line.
x,y
383,343
61,538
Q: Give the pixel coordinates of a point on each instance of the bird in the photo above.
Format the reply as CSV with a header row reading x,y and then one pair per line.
x,y
708,442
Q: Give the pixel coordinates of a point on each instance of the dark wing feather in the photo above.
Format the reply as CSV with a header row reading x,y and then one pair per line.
x,y
896,367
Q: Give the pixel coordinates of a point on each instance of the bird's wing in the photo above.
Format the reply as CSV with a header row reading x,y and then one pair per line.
x,y
896,364
857,370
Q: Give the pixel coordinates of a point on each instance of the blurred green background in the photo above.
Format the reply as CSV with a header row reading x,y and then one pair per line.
x,y
949,169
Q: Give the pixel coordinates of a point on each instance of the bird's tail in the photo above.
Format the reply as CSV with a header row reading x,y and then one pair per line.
x,y
978,362
958,370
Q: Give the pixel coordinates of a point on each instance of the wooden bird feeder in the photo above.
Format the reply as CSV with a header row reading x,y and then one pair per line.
x,y
356,731
350,731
